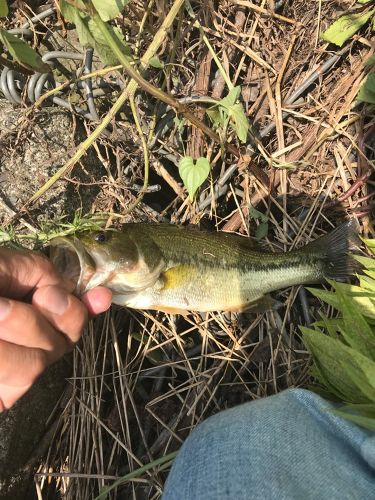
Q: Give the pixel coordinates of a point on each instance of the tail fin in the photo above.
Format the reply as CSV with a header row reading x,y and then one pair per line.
x,y
335,248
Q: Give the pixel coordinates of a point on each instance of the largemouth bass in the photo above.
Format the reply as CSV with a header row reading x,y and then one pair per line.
x,y
177,269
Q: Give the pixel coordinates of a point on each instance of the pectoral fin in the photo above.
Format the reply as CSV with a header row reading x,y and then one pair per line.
x,y
170,310
263,304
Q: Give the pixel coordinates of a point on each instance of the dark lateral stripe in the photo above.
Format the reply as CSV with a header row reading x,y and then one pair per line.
x,y
266,266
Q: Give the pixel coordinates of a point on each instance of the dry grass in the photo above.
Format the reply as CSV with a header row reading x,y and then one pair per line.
x,y
142,382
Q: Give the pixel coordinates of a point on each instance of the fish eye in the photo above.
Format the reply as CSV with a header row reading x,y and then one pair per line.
x,y
100,237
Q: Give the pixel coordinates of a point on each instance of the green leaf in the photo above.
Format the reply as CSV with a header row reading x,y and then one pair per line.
x,y
368,410
229,110
332,359
156,63
367,91
356,331
90,36
109,9
366,422
367,262
101,47
261,231
364,300
346,26
361,375
368,282
332,325
241,123
214,115
70,12
230,99
193,173
370,244
25,55
3,8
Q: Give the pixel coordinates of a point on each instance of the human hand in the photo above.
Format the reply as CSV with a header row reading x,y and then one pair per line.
x,y
40,320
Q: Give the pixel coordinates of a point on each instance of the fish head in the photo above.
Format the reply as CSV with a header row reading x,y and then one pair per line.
x,y
109,258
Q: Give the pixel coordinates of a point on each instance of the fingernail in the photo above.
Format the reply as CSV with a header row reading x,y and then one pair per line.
x,y
57,301
4,308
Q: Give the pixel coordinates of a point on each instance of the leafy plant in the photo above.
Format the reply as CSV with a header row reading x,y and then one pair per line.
x,y
193,173
230,112
343,348
347,26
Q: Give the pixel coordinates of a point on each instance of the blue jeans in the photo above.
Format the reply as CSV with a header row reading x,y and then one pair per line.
x,y
282,447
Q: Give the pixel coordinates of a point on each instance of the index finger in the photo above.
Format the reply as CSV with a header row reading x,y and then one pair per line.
x,y
22,272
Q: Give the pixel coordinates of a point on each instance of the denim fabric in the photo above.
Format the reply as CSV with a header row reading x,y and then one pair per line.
x,y
282,447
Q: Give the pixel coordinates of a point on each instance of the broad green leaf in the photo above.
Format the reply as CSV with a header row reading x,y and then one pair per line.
x,y
240,122
343,366
109,9
229,109
332,325
261,231
356,331
366,422
3,8
324,378
364,379
70,12
363,299
215,116
370,244
230,99
364,1
193,173
367,262
367,91
156,63
368,410
331,358
23,53
90,36
346,26
100,45
368,282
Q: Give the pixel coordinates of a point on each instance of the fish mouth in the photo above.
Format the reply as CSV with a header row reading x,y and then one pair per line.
x,y
73,262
